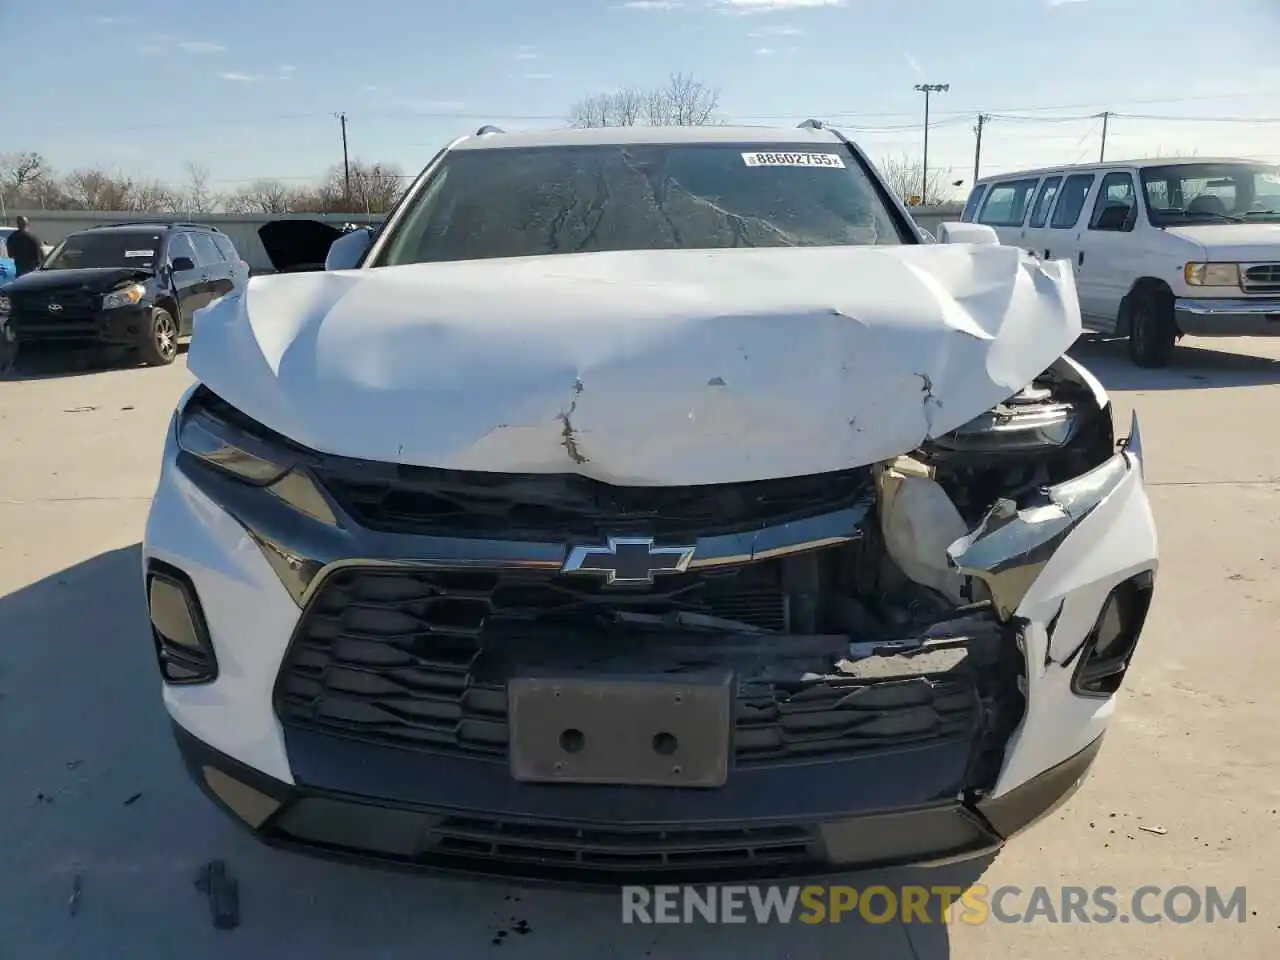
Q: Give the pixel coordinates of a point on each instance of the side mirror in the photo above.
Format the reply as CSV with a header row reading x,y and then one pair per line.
x,y
976,233
347,251
181,264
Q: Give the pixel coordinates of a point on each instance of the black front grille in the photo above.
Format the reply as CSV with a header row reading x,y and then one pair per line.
x,y
1264,278
423,500
419,659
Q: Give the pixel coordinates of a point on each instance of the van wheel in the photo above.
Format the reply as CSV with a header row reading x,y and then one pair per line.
x,y
160,347
1151,329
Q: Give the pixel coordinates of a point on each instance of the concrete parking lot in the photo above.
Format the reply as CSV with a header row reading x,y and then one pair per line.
x,y
101,834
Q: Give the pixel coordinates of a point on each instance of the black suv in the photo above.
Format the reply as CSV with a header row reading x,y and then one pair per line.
x,y
131,285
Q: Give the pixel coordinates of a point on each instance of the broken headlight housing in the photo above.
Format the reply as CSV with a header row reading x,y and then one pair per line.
x,y
1029,421
218,436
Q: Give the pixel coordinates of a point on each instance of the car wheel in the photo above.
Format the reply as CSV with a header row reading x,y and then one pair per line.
x,y
1152,333
160,347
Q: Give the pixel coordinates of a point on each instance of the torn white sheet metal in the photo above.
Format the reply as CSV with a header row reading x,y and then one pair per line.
x,y
1011,547
650,367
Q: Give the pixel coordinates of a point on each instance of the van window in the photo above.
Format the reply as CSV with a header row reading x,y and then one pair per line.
x,y
1044,201
1007,203
975,199
1117,190
1066,214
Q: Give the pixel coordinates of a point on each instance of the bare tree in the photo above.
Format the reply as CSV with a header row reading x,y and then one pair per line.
x,y
95,189
262,196
375,187
905,175
20,170
683,102
198,197
594,111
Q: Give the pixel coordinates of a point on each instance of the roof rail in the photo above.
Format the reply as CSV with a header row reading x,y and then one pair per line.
x,y
489,128
811,125
157,222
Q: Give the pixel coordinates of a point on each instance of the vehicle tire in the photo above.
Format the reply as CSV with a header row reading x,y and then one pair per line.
x,y
1152,332
160,347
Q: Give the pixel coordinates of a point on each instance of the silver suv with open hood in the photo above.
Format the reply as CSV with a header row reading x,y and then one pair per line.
x,y
650,503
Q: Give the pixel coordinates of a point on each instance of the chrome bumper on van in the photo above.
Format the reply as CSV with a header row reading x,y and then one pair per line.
x,y
1238,317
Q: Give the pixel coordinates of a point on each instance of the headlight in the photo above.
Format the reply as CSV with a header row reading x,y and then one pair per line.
x,y
218,443
208,431
4,304
1212,274
1022,423
124,297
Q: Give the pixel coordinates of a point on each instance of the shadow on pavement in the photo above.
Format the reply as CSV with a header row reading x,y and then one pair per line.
x,y
1192,367
62,362
104,835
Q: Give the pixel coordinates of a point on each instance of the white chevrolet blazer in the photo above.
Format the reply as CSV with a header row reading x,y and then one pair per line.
x,y
1161,248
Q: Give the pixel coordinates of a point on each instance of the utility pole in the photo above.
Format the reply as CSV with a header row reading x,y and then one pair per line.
x,y
977,149
1102,154
927,89
346,163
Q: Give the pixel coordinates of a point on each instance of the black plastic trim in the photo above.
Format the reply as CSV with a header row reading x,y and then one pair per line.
x,y
1031,802
802,845
205,667
1088,677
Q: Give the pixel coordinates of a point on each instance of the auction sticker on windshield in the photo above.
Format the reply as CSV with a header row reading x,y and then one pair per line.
x,y
139,253
792,160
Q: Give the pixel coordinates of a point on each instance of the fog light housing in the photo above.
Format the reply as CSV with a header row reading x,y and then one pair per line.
x,y
1105,655
183,649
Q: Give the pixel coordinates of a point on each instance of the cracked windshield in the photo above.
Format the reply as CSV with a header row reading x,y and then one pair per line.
x,y
514,203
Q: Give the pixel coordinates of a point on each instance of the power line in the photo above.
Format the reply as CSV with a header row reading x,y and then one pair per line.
x,y
461,114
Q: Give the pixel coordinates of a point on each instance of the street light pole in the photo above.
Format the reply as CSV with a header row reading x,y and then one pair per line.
x,y
927,89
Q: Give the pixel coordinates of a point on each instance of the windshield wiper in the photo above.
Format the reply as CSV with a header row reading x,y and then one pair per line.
x,y
1263,213
1208,214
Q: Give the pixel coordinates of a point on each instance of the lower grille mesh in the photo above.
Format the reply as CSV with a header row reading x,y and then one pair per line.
x,y
404,659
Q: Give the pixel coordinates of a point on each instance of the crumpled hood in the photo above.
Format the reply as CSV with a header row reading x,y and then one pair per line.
x,y
649,367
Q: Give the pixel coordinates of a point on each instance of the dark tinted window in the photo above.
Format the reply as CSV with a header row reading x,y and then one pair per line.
x,y
545,200
105,248
208,254
225,247
1071,201
180,246
974,201
1044,201
1117,190
1007,203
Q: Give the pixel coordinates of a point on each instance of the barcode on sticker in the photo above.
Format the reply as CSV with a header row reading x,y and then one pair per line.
x,y
792,160
139,253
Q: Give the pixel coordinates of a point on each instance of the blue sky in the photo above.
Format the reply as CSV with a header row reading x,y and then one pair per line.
x,y
249,89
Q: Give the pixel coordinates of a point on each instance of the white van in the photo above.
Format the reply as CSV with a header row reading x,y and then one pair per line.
x,y
1161,248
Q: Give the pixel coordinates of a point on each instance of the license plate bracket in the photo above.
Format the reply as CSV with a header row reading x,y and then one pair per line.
x,y
623,731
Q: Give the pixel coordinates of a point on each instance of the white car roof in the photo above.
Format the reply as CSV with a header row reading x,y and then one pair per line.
x,y
607,136
1141,164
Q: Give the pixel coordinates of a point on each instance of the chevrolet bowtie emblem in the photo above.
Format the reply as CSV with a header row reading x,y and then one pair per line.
x,y
628,561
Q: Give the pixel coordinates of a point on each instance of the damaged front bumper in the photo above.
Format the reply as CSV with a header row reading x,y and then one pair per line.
x,y
341,696
451,816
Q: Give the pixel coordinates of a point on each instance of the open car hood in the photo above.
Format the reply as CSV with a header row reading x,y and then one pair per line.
x,y
297,245
638,368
